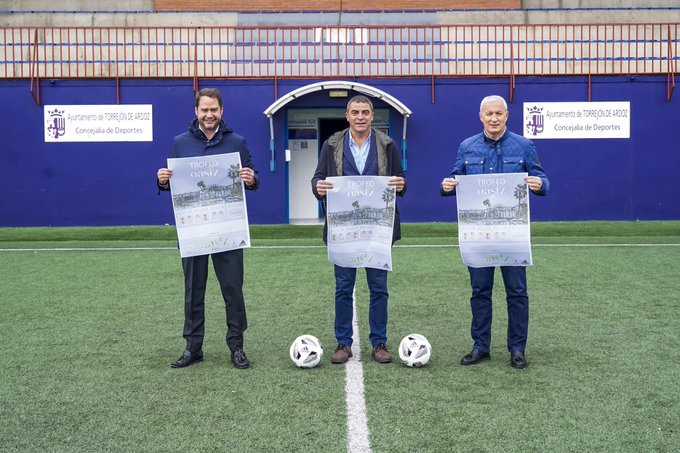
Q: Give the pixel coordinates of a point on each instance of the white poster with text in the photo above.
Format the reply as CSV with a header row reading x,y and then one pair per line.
x,y
209,202
493,220
360,213
576,120
98,123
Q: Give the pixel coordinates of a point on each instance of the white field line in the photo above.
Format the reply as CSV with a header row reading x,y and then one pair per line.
x,y
357,423
415,246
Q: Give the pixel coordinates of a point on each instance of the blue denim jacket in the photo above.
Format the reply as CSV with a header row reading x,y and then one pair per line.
x,y
511,153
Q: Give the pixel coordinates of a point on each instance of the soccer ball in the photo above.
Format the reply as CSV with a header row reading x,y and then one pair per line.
x,y
306,351
415,350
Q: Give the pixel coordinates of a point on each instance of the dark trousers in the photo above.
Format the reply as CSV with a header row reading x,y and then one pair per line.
x,y
229,271
377,310
515,281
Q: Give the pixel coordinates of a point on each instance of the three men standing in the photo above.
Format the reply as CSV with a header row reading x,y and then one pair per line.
x,y
359,150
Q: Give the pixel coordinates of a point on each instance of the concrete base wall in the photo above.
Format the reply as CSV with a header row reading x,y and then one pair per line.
x,y
140,13
77,5
597,3
122,19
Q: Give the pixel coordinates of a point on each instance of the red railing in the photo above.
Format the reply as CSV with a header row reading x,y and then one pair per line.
x,y
339,52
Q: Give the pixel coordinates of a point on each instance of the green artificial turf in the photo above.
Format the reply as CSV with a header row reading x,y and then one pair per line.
x,y
92,318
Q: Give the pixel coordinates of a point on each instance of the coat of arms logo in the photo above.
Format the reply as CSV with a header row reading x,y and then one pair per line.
x,y
535,123
56,123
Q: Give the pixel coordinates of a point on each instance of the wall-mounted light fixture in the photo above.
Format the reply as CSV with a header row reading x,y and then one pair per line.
x,y
337,93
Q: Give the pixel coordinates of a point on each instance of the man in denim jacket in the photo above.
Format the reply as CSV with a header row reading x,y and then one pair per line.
x,y
497,150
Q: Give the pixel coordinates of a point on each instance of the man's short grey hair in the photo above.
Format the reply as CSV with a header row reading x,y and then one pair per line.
x,y
360,99
493,98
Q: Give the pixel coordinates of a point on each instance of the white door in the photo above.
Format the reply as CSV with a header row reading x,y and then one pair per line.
x,y
303,206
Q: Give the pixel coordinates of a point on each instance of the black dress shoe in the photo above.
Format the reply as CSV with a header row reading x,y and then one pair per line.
x,y
239,359
517,360
187,359
475,357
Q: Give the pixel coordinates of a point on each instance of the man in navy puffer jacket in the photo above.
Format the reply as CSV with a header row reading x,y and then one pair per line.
x,y
207,135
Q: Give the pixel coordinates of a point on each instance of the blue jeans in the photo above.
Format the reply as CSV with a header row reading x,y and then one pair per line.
x,y
515,280
377,310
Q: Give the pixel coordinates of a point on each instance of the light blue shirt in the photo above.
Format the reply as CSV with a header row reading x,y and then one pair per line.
x,y
360,153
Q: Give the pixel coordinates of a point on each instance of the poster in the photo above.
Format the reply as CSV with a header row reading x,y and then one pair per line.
x,y
209,203
493,220
360,212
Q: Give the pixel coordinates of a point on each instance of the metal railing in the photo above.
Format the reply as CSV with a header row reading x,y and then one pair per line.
x,y
338,52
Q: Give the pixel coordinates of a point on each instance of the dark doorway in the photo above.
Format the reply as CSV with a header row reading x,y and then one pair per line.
x,y
329,126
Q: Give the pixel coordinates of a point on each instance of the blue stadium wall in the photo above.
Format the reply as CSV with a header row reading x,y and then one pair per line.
x,y
93,184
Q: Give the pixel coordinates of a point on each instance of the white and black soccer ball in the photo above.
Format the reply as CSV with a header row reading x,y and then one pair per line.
x,y
306,351
415,350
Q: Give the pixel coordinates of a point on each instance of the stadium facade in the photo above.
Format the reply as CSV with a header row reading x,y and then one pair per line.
x,y
285,88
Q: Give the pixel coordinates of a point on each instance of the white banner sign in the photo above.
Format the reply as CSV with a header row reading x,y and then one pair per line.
x,y
209,203
360,212
98,123
493,220
576,120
